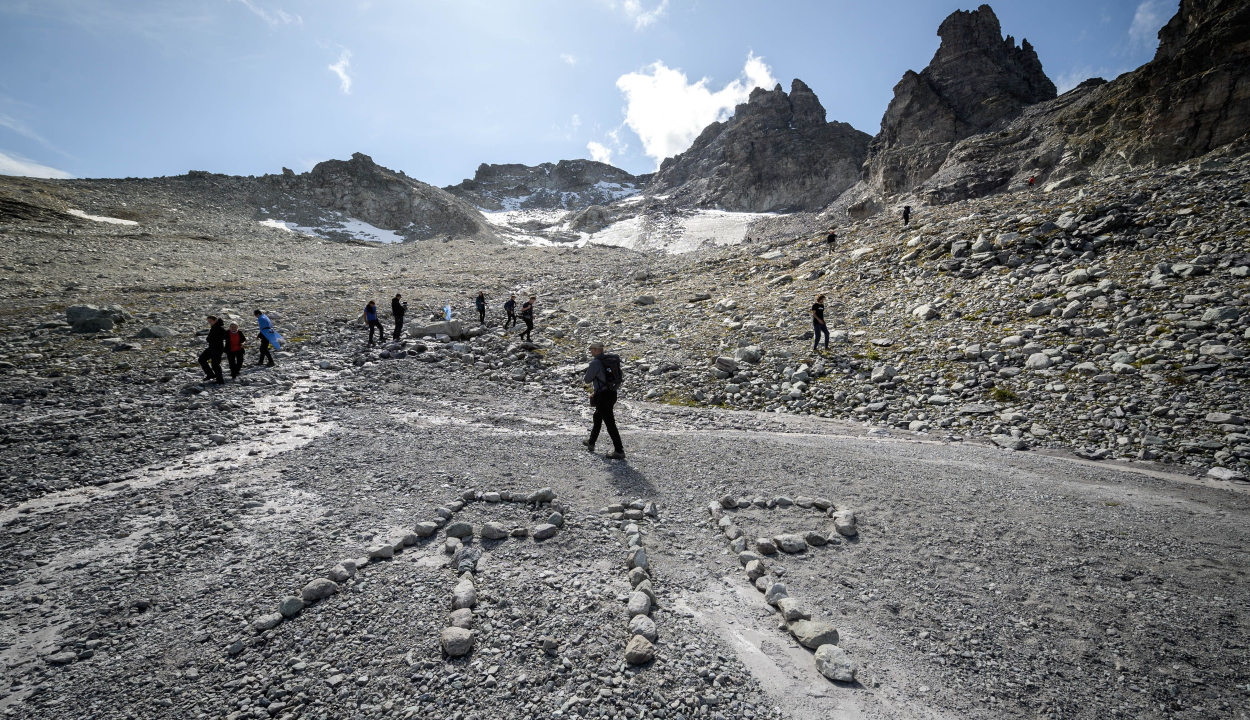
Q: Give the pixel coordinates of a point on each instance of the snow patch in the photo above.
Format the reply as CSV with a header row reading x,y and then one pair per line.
x,y
101,218
357,229
680,235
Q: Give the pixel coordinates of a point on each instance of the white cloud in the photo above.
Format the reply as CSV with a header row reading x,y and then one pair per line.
x,y
341,68
568,58
576,122
639,15
668,112
273,17
599,152
18,165
1150,16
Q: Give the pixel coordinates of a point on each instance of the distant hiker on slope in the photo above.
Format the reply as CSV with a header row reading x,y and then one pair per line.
x,y
235,340
210,359
604,376
527,316
371,320
480,302
397,311
906,215
818,323
831,239
510,308
268,336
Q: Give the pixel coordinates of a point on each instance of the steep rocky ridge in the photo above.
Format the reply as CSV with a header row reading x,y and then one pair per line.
x,y
566,185
775,153
1193,97
336,191
976,81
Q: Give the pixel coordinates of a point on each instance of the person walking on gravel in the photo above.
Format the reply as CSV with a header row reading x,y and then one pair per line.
x,y
510,308
527,316
398,309
210,359
235,340
906,215
268,336
371,319
604,376
818,323
480,303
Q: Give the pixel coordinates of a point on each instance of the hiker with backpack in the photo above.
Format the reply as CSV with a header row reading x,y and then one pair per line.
x,y
604,376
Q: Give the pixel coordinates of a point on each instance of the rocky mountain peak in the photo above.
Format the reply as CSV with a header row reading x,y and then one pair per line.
x,y
776,152
976,81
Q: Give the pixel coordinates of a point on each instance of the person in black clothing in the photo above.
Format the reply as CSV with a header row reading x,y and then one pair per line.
x,y
831,239
527,316
603,398
510,308
397,311
906,214
818,323
216,348
480,302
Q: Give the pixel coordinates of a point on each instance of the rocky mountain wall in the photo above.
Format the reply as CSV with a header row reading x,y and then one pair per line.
x,y
776,153
976,81
566,185
1193,97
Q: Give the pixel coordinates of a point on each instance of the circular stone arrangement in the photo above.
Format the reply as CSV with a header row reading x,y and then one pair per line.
x,y
641,647
831,660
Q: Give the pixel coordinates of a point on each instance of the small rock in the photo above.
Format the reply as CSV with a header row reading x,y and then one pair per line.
x,y
545,531
845,522
464,595
318,589
267,622
791,610
637,575
755,570
493,531
425,529
639,651
637,558
644,626
462,618
639,604
813,633
381,552
815,539
833,662
556,519
776,591
790,543
456,641
459,529
290,606
766,546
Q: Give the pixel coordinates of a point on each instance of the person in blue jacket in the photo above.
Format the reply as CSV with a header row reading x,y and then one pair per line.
x,y
268,336
371,319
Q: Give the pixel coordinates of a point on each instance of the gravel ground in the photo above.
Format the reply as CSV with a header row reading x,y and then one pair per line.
x,y
152,526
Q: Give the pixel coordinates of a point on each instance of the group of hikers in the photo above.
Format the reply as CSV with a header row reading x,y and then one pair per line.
x,y
399,308
231,341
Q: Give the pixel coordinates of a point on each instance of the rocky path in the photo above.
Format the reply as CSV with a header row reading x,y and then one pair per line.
x,y
981,583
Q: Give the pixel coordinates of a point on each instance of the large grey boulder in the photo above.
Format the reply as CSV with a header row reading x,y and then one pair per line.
x,y
90,318
813,633
833,662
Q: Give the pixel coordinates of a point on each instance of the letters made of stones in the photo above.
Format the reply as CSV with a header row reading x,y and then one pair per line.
x,y
641,599
457,639
831,660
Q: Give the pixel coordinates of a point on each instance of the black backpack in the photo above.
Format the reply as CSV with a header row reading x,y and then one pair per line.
x,y
612,370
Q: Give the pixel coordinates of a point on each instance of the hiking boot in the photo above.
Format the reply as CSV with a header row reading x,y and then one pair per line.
x,y
616,455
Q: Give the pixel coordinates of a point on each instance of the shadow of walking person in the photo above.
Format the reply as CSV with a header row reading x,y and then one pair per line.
x,y
627,480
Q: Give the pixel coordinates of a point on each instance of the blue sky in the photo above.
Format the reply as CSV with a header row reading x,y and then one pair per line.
x,y
136,88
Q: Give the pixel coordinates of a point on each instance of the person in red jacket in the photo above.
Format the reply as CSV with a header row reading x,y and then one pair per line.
x,y
235,340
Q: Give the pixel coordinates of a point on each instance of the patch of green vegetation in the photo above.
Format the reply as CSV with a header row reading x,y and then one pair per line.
x,y
672,397
1004,395
872,355
1176,380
